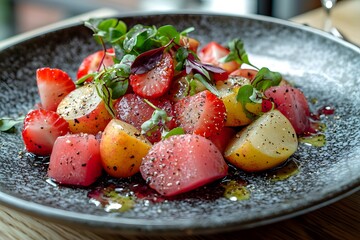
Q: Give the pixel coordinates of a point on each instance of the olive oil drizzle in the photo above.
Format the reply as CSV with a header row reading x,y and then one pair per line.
x,y
235,191
314,140
291,168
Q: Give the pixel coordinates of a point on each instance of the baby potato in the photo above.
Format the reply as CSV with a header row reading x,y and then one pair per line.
x,y
122,148
264,144
236,115
84,110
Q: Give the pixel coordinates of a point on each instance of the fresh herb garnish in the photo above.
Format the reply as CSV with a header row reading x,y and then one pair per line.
x,y
263,80
137,51
8,124
207,83
172,132
146,46
159,118
237,53
148,60
109,30
112,82
202,72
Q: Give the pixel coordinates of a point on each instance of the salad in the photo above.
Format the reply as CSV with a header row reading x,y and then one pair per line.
x,y
152,102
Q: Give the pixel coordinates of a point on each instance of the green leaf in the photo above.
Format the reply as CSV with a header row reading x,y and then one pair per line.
x,y
208,85
265,79
8,124
136,37
115,33
125,65
82,80
181,56
93,23
172,132
131,37
192,86
256,96
107,23
158,118
106,95
113,81
244,96
186,31
109,29
119,88
237,53
168,32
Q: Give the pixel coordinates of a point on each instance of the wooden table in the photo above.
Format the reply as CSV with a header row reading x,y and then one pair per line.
x,y
345,16
339,220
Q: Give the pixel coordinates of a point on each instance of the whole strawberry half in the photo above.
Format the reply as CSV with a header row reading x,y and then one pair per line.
x,y
53,85
156,82
92,62
41,128
202,114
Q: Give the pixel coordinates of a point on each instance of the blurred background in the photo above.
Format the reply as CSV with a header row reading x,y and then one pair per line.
x,y
17,16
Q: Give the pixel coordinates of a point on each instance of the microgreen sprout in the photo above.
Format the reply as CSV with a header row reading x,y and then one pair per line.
x,y
8,124
159,118
264,79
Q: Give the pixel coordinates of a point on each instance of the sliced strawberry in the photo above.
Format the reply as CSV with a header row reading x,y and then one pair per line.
x,y
157,81
92,63
203,113
41,128
132,109
53,85
212,52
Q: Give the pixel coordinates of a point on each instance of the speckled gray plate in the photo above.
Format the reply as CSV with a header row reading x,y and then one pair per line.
x,y
325,68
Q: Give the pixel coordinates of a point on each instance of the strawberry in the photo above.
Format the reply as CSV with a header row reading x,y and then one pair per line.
x,y
203,114
91,63
41,129
213,52
132,109
53,85
155,82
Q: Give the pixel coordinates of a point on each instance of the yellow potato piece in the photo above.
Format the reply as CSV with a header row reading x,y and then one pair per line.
x,y
122,148
235,113
264,144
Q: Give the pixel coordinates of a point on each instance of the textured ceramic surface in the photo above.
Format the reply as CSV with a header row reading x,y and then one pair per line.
x,y
325,68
